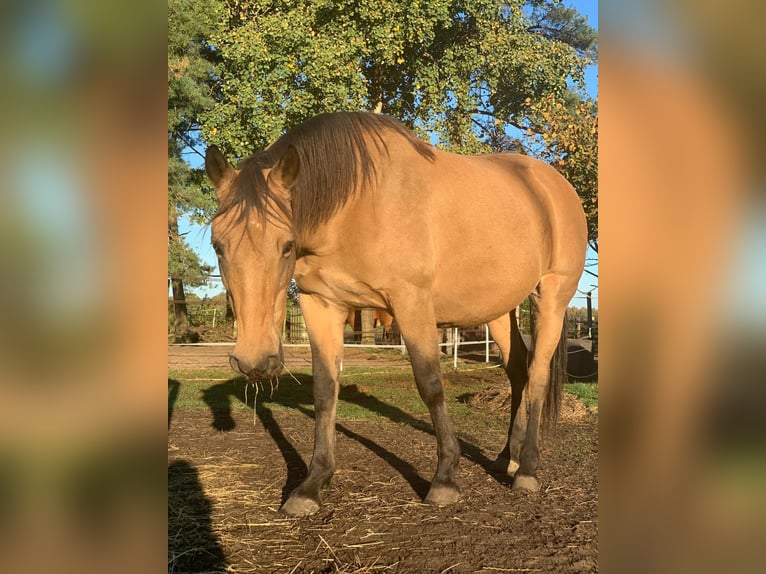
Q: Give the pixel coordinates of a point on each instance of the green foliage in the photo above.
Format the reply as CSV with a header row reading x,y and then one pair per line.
x,y
473,76
190,91
566,136
581,314
586,392
190,63
458,71
185,264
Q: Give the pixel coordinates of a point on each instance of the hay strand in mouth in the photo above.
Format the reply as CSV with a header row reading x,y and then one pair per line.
x,y
255,397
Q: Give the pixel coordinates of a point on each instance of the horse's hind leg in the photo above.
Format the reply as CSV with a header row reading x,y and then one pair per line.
x,y
505,332
324,323
414,312
550,306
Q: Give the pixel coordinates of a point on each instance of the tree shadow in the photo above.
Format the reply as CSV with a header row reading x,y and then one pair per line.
x,y
192,546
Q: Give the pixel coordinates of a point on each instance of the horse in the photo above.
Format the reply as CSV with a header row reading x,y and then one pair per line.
x,y
379,318
363,214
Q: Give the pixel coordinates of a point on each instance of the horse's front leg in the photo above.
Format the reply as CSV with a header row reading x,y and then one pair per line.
x,y
324,322
415,314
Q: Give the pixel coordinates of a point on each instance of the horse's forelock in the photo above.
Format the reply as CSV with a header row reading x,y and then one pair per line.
x,y
247,193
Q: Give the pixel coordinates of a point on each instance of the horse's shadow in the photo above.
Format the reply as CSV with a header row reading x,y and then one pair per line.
x,y
192,545
219,399
299,397
469,450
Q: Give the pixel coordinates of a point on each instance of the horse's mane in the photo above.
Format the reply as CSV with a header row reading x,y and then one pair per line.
x,y
339,155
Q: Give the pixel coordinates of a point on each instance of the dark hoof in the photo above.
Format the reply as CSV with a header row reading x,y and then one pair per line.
x,y
506,466
298,505
442,495
525,482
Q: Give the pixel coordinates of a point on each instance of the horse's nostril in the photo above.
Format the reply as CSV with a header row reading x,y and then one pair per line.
x,y
236,366
266,368
274,364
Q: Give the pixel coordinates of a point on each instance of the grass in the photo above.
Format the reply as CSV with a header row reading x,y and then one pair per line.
x,y
365,394
586,392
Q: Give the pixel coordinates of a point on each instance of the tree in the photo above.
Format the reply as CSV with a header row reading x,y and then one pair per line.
x,y
190,91
460,72
470,75
566,135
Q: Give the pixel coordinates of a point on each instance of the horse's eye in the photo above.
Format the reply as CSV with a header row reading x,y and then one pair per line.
x,y
287,250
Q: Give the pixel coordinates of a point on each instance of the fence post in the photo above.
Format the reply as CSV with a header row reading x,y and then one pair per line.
x,y
486,343
368,333
214,313
455,342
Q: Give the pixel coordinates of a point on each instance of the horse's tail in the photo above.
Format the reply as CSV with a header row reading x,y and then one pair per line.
x,y
558,376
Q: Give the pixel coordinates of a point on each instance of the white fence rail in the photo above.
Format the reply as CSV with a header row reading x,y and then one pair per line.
x,y
453,345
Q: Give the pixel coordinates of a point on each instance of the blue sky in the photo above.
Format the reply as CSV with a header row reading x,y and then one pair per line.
x,y
199,237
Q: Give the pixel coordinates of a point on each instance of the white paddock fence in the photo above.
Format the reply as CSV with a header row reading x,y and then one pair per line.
x,y
212,324
582,365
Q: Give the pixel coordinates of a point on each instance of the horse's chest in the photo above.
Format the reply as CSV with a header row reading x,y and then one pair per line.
x,y
336,285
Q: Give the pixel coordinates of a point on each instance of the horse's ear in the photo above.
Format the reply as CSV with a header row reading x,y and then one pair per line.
x,y
285,172
216,166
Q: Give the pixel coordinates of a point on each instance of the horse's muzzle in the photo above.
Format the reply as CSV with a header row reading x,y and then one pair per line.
x,y
265,369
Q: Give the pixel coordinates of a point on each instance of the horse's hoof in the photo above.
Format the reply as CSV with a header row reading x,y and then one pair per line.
x,y
299,506
525,482
442,495
505,465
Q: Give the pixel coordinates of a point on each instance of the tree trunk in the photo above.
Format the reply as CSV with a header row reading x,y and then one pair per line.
x,y
229,308
180,312
230,314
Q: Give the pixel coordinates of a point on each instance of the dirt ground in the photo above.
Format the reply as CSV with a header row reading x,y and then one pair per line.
x,y
228,473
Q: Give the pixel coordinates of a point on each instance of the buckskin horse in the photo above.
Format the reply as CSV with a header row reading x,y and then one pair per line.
x,y
365,215
379,318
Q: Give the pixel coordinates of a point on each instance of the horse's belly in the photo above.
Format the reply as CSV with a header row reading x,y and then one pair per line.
x,y
489,252
463,301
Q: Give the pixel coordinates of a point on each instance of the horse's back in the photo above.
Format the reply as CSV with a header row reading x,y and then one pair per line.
x,y
561,207
498,224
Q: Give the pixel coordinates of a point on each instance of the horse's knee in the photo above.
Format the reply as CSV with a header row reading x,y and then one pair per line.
x,y
325,403
431,391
